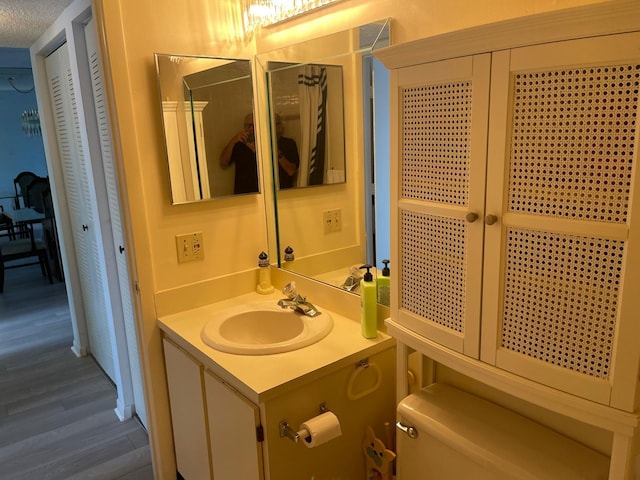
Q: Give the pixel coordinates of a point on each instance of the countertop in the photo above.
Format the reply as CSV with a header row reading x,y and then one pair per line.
x,y
261,377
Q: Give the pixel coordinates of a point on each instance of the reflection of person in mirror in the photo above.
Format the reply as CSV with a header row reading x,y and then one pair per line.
x,y
288,158
241,150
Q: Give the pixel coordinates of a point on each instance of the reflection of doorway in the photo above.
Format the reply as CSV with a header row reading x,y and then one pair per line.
x,y
377,159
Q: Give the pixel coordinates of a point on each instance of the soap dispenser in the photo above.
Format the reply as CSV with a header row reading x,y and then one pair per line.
x,y
383,284
368,314
264,271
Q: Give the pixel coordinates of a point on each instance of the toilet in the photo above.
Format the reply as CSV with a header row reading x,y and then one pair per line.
x,y
444,433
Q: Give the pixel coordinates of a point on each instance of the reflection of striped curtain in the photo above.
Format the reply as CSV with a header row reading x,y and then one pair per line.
x,y
312,86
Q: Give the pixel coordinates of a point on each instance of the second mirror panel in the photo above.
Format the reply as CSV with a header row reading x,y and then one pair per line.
x,y
332,226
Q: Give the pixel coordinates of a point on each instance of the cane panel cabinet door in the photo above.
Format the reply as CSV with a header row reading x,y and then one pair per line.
x,y
443,140
560,303
515,190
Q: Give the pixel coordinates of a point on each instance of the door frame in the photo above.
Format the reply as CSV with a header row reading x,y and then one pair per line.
x,y
69,28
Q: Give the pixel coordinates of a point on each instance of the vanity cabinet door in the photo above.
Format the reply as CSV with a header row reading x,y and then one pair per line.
x,y
562,167
188,419
234,423
442,108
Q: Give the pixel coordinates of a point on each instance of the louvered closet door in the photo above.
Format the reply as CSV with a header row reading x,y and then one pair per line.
x,y
78,192
562,151
443,110
113,196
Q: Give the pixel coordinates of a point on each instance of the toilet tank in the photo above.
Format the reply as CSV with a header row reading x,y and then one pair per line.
x,y
445,433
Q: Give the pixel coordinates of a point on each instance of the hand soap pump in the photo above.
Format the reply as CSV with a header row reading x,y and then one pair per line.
x,y
288,257
383,284
264,271
368,314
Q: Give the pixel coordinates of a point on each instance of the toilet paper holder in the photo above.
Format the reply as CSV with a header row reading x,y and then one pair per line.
x,y
290,433
287,431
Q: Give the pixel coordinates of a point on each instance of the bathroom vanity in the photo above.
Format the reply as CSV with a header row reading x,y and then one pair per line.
x,y
227,409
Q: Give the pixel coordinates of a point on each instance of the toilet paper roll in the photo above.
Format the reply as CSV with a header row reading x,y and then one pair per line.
x,y
320,429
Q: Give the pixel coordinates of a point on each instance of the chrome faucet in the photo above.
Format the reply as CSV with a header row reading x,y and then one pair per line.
x,y
297,302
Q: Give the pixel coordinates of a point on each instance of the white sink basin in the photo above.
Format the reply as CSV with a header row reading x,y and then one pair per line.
x,y
260,329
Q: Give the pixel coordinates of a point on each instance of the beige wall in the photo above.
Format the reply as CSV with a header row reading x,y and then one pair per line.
x,y
234,229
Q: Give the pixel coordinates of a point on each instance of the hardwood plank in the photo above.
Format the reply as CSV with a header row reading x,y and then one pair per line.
x,y
120,467
57,418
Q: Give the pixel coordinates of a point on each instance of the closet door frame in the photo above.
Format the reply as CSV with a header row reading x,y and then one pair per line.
x,y
70,30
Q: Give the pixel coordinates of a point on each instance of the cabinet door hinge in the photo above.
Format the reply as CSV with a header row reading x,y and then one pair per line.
x,y
259,434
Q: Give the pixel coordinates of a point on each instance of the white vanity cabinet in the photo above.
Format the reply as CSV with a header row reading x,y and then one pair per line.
x,y
214,428
187,400
235,432
226,409
516,208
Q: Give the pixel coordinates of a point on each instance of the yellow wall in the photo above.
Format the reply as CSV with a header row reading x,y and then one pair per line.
x,y
234,229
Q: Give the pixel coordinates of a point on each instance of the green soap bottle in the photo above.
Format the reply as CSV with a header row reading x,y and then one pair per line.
x,y
368,307
384,285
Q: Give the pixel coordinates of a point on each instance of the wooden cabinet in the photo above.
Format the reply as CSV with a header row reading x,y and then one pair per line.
x,y
236,432
188,419
442,123
214,428
563,148
514,195
516,211
222,433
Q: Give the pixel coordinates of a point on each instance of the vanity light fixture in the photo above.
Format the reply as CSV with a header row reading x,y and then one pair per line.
x,y
259,13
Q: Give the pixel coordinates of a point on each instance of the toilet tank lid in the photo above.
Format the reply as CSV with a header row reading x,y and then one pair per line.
x,y
497,437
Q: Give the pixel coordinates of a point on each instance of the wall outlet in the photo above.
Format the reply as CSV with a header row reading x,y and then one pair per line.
x,y
332,220
190,247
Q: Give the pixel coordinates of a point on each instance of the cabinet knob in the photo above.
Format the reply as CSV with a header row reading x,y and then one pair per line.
x,y
85,227
490,219
471,217
121,248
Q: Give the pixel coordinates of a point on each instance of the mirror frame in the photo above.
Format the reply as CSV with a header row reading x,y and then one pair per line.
x,y
200,96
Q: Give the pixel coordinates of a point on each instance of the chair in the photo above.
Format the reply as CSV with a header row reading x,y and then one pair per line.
x,y
6,224
33,194
22,248
20,185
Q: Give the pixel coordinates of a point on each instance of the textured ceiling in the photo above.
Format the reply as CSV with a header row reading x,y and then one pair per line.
x,y
23,21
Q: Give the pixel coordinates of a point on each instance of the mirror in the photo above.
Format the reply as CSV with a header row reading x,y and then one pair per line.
x,y
307,106
207,114
335,229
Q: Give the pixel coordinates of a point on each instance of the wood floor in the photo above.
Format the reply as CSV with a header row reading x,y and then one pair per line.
x,y
57,418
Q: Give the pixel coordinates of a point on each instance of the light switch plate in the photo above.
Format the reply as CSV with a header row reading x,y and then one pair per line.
x,y
332,220
190,247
